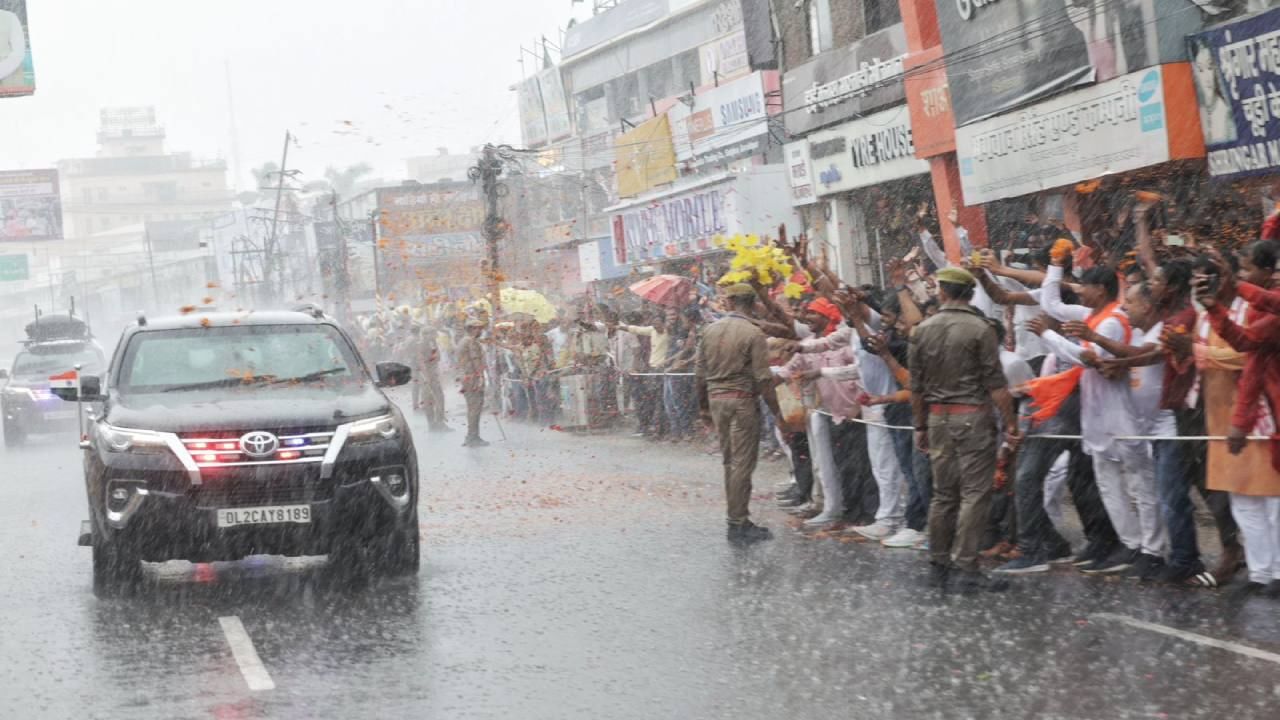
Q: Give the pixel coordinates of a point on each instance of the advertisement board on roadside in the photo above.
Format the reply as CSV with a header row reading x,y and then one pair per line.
x,y
30,205
17,74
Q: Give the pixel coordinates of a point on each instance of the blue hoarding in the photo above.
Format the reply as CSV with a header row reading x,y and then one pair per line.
x,y
1237,74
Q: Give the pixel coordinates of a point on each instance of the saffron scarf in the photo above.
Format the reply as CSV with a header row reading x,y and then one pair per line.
x,y
1050,392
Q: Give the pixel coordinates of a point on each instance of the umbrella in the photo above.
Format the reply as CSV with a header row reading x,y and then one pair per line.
x,y
528,302
668,290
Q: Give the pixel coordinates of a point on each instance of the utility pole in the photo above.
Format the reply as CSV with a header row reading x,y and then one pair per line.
x,y
151,260
236,166
342,283
374,215
269,251
487,172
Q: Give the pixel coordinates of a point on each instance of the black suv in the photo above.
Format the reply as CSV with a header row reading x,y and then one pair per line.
x,y
55,346
227,435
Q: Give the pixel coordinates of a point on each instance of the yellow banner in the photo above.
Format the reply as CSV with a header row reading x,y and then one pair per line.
x,y
646,157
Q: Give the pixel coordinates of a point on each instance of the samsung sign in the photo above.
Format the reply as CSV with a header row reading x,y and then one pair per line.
x,y
875,149
723,122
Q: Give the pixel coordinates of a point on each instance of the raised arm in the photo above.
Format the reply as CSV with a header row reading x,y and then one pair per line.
x,y
1146,252
1026,277
1051,298
933,250
1267,301
1261,335
775,311
1000,295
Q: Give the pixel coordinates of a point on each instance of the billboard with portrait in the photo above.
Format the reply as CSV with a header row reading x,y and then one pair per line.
x,y
1236,67
17,75
30,205
1005,54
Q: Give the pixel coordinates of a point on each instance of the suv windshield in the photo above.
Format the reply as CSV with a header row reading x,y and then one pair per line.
x,y
243,355
53,360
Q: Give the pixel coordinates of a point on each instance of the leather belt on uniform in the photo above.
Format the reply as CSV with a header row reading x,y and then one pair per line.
x,y
730,395
956,409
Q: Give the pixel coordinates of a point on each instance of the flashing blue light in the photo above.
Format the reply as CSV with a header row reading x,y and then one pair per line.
x,y
295,442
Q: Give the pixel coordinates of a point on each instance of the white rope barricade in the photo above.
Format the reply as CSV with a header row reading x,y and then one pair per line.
x,y
1029,436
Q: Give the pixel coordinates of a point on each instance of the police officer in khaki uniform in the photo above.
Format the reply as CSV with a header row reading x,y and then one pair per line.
x,y
732,376
956,379
430,391
471,369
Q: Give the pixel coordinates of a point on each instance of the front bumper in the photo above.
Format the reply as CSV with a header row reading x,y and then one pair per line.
x,y
170,517
41,416
174,527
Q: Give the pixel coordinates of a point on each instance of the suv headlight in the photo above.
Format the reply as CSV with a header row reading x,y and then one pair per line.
x,y
126,440
382,427
23,393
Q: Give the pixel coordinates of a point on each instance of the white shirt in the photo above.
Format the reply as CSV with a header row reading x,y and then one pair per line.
x,y
559,338
13,47
1145,385
877,378
981,300
1106,406
1016,370
1028,344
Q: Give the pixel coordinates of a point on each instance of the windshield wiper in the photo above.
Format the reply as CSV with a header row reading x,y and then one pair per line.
x,y
309,377
225,383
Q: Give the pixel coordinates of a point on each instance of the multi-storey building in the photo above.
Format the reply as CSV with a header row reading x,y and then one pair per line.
x,y
663,113
134,179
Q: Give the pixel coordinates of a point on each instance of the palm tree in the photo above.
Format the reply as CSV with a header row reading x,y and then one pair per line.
x,y
343,182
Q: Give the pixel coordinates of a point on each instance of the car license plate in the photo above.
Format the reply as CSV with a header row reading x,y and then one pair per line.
x,y
60,415
231,517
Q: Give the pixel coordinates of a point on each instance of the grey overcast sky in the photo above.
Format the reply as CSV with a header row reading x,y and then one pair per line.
x,y
409,75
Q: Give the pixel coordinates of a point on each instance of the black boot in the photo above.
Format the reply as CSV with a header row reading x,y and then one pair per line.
x,y
748,533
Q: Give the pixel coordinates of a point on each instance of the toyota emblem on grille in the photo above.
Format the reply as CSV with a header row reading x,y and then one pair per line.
x,y
259,443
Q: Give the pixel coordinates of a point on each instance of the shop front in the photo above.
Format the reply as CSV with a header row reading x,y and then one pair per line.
x,y
1039,52
1074,161
863,174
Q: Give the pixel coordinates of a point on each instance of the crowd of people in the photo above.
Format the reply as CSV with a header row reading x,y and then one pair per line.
x,y
951,410
1130,377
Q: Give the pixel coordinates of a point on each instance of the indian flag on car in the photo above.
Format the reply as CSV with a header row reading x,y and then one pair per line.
x,y
69,379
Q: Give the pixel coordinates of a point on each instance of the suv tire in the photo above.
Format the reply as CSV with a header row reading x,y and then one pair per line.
x,y
398,552
13,436
117,570
353,560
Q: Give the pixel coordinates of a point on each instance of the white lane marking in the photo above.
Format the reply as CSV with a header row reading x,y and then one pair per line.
x,y
251,667
1252,652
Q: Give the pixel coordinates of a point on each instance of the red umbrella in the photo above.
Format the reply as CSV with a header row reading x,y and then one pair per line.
x,y
668,290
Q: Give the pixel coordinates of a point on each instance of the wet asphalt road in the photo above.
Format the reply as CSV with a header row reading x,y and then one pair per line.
x,y
571,577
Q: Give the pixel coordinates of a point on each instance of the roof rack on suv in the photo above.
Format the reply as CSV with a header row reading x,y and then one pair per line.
x,y
57,327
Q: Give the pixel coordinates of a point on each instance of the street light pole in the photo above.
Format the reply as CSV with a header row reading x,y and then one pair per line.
x,y
487,172
269,251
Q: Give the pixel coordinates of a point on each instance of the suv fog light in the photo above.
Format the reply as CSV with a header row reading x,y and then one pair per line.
x,y
123,498
118,498
392,483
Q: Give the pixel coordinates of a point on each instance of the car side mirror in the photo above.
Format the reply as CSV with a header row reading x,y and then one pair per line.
x,y
393,374
90,390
